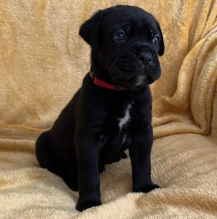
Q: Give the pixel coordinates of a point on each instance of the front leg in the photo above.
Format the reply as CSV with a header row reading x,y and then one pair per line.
x,y
88,174
140,154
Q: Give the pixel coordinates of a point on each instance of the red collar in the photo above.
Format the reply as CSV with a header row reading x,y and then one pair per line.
x,y
104,84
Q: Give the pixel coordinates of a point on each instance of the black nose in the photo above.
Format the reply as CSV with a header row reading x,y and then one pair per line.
x,y
146,57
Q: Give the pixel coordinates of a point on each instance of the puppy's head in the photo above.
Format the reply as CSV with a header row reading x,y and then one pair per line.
x,y
125,43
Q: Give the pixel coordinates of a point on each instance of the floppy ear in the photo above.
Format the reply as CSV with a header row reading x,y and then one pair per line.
x,y
161,51
89,30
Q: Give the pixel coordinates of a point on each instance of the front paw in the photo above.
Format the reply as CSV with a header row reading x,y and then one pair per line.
x,y
146,189
83,205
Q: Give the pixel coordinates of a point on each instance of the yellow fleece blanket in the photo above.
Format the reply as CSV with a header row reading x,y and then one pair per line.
x,y
42,63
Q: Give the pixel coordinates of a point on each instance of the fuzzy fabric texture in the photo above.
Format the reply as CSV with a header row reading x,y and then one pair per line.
x,y
42,63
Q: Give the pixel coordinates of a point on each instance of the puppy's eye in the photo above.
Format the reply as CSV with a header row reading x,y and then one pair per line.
x,y
156,40
119,36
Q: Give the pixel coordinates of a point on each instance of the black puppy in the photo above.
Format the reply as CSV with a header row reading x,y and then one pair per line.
x,y
111,112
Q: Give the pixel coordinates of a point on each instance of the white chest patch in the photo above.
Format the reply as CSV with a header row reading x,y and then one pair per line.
x,y
124,121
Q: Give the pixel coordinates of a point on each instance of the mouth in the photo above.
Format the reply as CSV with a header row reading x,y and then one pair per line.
x,y
129,71
133,71
133,75
135,81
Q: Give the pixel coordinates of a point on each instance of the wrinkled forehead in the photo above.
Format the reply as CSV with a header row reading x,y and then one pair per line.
x,y
136,17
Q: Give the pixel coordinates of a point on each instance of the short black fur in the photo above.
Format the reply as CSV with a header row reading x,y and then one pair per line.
x,y
99,124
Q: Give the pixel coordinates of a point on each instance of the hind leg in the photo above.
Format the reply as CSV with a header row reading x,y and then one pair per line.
x,y
70,178
49,160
